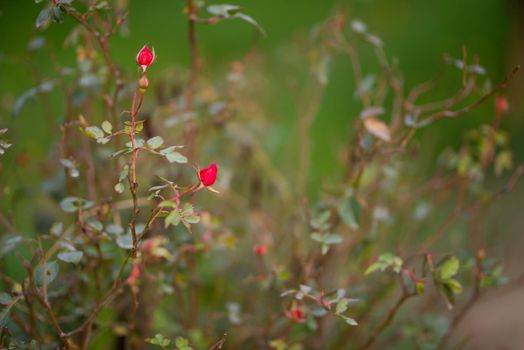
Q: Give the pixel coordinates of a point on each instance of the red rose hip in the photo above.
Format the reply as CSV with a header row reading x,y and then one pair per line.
x,y
208,175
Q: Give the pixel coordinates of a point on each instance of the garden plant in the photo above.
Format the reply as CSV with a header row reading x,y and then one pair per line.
x,y
163,221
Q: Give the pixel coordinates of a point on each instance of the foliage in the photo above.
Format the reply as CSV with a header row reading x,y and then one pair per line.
x,y
131,250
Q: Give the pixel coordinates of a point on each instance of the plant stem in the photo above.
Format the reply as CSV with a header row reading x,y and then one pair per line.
x,y
133,184
386,322
189,131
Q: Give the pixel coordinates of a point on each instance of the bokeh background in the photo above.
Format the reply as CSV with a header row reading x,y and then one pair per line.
x,y
416,32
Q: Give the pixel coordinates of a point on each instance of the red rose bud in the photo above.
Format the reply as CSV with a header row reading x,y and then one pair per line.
x,y
296,315
501,105
145,57
143,83
260,250
208,175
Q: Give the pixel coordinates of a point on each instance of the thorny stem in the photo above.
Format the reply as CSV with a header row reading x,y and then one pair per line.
x,y
387,321
517,174
103,42
192,11
468,108
133,184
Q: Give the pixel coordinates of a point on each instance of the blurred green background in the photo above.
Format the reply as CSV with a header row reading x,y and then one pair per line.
x,y
417,32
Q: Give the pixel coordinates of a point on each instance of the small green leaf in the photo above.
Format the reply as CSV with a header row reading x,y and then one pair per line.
x,y
182,343
46,273
94,132
44,18
167,204
449,268
57,14
155,142
192,219
5,298
455,286
124,173
342,306
114,229
125,241
332,239
175,157
107,127
350,321
172,219
317,237
8,243
72,204
120,187
95,225
349,212
159,340
419,287
223,10
374,267
71,257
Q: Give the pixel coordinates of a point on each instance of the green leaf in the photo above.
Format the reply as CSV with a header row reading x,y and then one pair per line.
x,y
172,219
305,289
187,209
124,173
71,257
8,243
72,204
101,6
349,212
175,157
44,18
167,204
223,10
95,225
159,340
94,132
125,241
374,267
449,268
182,343
455,286
192,219
332,238
350,321
57,14
251,21
419,287
5,298
232,11
317,237
114,229
155,142
46,273
120,187
342,306
107,127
